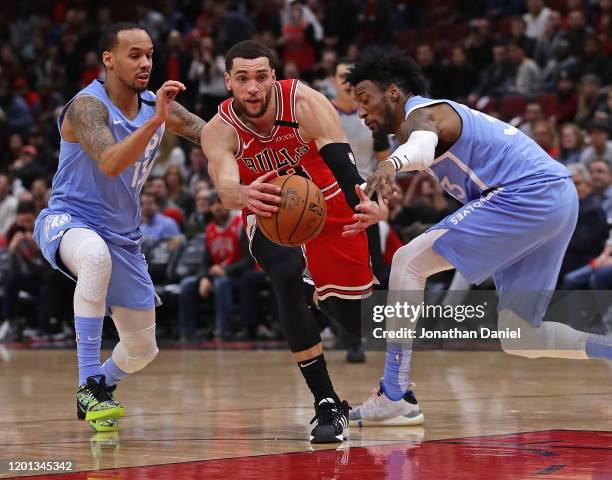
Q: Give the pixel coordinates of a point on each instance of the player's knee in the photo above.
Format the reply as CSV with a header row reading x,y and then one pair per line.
x,y
94,265
140,349
404,260
286,271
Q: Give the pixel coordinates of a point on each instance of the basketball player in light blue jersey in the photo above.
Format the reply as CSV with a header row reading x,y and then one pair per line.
x,y
519,213
110,135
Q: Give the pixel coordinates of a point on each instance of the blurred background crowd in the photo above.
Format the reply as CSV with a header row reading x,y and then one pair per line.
x,y
543,66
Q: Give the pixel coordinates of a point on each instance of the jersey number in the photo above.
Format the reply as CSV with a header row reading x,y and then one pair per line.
x,y
142,169
452,188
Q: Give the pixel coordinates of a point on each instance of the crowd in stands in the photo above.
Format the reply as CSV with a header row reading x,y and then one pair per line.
x,y
544,66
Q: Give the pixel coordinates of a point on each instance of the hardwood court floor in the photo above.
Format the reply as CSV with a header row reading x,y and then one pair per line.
x,y
190,407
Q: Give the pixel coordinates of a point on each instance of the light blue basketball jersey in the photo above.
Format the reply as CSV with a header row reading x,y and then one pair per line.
x,y
83,191
489,153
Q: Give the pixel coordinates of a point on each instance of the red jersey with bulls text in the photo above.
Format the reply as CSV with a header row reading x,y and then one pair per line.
x,y
283,149
223,241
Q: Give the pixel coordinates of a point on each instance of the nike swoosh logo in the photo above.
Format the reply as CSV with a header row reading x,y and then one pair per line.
x,y
117,122
302,365
248,144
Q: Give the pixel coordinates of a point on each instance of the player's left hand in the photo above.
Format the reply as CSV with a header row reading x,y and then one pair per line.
x,y
164,98
368,213
382,180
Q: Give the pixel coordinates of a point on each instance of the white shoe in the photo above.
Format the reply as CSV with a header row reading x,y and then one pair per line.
x,y
378,410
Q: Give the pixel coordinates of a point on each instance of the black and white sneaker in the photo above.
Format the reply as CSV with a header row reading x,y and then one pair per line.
x,y
331,421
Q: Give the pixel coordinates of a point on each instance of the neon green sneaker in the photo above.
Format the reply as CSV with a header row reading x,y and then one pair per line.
x,y
105,425
95,401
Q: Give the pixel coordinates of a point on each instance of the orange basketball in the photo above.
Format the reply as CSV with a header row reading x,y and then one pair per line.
x,y
301,213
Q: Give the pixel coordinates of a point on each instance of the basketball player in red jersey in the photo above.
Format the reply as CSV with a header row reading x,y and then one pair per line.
x,y
271,128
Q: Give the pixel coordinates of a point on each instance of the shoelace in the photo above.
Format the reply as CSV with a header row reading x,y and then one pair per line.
x,y
330,413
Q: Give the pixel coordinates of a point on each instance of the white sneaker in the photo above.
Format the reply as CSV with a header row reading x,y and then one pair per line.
x,y
378,410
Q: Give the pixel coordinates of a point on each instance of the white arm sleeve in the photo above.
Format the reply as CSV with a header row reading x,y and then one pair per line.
x,y
417,153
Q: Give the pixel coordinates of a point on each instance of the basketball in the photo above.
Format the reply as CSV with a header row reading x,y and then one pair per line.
x,y
301,213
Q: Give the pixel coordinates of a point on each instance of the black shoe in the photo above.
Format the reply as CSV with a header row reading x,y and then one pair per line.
x,y
355,355
331,421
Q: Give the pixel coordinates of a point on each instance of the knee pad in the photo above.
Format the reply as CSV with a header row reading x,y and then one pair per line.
x,y
94,265
135,350
550,339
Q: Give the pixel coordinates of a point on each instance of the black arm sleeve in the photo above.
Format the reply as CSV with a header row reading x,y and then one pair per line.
x,y
340,160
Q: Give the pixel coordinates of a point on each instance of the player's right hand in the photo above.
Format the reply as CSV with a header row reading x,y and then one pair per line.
x,y
260,197
164,98
382,180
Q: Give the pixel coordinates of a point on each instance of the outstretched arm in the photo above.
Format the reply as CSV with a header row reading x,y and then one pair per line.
x,y
88,122
184,123
219,143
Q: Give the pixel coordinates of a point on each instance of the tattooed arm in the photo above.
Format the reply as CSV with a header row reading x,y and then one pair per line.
x,y
86,122
184,123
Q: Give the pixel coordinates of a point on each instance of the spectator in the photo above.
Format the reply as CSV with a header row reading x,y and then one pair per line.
x,y
497,78
593,61
227,257
600,147
527,77
577,31
592,227
587,99
92,69
566,99
545,136
25,168
478,44
177,193
40,194
604,110
26,266
155,226
298,39
533,114
463,74
206,71
425,202
157,187
433,71
536,18
572,143
518,36
562,61
547,41
15,109
200,218
8,204
198,168
326,84
601,182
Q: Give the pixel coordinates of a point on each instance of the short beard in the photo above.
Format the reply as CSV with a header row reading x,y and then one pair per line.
x,y
264,108
387,124
133,87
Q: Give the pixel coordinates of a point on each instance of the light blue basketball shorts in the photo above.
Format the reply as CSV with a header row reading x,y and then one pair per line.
x,y
130,285
518,234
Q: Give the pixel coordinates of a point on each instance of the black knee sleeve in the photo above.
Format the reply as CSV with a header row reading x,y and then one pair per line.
x,y
285,266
